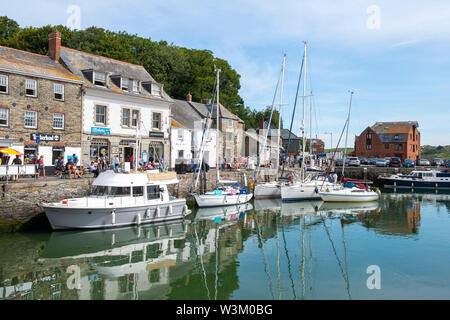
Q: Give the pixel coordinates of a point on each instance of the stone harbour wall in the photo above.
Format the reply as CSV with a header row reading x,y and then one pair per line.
x,y
19,201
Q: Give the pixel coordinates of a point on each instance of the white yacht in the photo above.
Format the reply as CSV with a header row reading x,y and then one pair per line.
x,y
307,190
349,192
119,199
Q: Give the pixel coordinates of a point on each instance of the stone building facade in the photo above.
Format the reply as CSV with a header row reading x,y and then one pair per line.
x,y
40,106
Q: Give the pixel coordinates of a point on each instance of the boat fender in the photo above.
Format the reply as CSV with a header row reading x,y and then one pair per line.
x,y
170,209
113,216
147,212
158,211
316,190
138,219
186,210
378,191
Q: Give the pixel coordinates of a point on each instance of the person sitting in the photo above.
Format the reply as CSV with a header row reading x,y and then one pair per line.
x,y
78,172
70,168
93,169
59,168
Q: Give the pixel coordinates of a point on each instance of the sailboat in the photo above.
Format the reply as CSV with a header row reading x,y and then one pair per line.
x,y
306,187
226,192
272,189
357,191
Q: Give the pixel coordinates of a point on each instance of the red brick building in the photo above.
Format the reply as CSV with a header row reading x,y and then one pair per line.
x,y
389,139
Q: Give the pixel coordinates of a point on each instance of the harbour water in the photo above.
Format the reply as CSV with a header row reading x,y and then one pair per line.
x,y
396,248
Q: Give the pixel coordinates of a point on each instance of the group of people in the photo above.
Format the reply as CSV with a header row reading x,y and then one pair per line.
x,y
70,167
33,159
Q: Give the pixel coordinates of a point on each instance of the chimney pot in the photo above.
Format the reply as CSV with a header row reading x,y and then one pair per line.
x,y
54,45
189,97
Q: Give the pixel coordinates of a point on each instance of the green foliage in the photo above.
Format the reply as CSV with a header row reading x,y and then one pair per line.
x,y
431,152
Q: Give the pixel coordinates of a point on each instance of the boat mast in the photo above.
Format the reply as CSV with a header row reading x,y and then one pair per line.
x,y
310,129
279,116
346,134
217,126
303,120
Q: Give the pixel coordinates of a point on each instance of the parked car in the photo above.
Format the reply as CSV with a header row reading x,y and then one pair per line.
x,y
423,162
353,161
188,165
339,162
388,159
372,161
363,160
408,163
396,162
438,162
382,163
447,163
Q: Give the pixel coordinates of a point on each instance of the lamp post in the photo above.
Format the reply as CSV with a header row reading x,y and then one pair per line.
x,y
331,134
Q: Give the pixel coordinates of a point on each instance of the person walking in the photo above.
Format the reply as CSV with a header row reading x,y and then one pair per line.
x,y
41,167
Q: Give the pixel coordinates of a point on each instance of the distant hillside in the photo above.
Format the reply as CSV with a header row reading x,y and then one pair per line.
x,y
431,152
339,150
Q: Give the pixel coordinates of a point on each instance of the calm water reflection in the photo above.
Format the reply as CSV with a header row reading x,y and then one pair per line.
x,y
263,250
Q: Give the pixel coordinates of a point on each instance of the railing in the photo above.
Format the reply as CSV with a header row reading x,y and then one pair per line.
x,y
13,170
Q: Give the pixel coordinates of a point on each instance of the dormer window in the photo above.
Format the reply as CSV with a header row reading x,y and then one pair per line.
x,y
100,79
125,84
156,90
135,86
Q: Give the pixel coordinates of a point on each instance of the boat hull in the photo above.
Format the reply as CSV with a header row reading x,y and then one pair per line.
x,y
345,197
267,191
299,193
61,218
414,184
211,200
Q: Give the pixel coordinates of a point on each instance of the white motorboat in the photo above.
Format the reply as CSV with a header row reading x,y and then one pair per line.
x,y
347,207
119,199
349,194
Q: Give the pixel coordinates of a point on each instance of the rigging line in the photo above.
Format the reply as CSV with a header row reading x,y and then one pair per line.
x,y
289,264
293,115
202,264
205,131
268,129
337,258
258,230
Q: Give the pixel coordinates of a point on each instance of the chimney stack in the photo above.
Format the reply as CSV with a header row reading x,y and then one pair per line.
x,y
54,45
189,97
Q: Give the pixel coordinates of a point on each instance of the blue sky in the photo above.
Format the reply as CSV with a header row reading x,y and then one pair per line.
x,y
392,54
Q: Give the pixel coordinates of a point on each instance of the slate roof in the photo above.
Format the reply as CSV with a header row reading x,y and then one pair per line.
x,y
183,113
34,64
394,127
78,61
